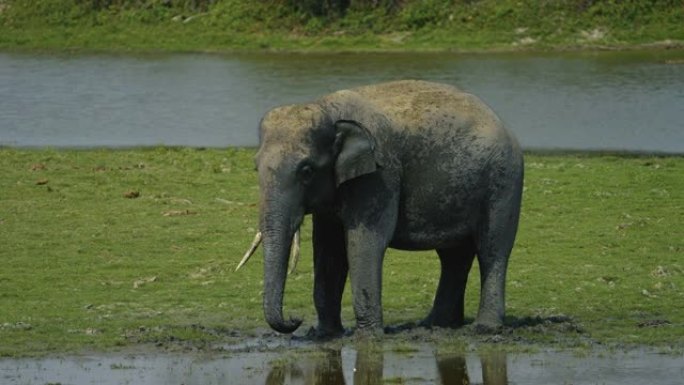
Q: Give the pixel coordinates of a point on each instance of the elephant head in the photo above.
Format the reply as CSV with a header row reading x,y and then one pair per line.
x,y
304,155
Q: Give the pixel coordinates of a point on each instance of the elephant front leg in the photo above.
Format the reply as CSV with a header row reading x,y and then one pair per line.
x,y
369,214
330,274
365,253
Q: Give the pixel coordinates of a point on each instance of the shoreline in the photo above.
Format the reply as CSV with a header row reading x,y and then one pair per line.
x,y
533,151
655,46
663,46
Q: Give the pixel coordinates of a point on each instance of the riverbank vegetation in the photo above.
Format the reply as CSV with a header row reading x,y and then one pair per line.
x,y
338,25
115,248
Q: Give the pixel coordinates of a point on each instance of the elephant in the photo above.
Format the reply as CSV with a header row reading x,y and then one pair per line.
x,y
409,164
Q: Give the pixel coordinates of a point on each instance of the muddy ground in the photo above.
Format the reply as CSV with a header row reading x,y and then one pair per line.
x,y
535,350
523,334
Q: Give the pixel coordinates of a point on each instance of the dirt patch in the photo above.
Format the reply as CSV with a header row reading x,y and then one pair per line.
x,y
131,194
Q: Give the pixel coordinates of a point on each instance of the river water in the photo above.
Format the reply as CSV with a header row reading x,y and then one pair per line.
x,y
348,365
623,101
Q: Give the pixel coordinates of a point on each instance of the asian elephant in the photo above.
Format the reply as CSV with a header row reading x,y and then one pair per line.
x,y
411,165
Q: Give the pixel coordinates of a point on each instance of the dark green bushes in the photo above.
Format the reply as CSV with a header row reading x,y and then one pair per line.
x,y
392,14
217,24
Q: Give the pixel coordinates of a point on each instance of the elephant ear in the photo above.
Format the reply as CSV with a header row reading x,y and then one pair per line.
x,y
355,149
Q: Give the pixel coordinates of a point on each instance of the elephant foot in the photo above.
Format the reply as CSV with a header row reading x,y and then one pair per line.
x,y
369,332
323,334
396,329
488,322
426,323
480,327
441,322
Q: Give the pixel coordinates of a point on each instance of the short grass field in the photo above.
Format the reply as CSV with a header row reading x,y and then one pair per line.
x,y
101,249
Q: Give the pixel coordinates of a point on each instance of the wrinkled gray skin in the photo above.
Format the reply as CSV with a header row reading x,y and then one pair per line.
x,y
410,165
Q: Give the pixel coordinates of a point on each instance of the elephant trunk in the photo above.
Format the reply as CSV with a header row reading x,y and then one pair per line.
x,y
278,231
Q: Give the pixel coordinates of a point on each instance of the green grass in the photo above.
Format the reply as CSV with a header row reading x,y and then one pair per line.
x,y
411,25
85,265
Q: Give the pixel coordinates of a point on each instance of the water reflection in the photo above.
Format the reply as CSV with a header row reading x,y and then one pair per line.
x,y
348,365
368,369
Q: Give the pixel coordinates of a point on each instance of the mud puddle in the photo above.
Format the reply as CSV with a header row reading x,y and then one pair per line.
x,y
347,365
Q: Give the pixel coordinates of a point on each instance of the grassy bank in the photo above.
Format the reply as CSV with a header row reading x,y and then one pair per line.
x,y
104,248
229,25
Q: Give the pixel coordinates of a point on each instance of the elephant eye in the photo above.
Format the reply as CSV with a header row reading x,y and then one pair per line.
x,y
306,172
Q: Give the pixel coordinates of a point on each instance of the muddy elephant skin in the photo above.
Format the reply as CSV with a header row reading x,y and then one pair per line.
x,y
411,165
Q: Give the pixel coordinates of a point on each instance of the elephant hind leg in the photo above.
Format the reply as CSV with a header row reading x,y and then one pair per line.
x,y
495,243
447,310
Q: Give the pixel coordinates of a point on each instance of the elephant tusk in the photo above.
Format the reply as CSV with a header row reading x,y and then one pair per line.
x,y
294,252
252,249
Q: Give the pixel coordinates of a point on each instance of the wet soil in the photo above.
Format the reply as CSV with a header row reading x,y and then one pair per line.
x,y
558,331
405,355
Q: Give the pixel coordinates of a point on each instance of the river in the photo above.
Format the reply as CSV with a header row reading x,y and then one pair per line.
x,y
617,101
348,365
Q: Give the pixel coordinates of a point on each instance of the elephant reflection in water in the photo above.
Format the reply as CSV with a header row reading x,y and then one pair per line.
x,y
369,366
454,371
327,369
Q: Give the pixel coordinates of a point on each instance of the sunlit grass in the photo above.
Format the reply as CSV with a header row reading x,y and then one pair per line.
x,y
87,264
